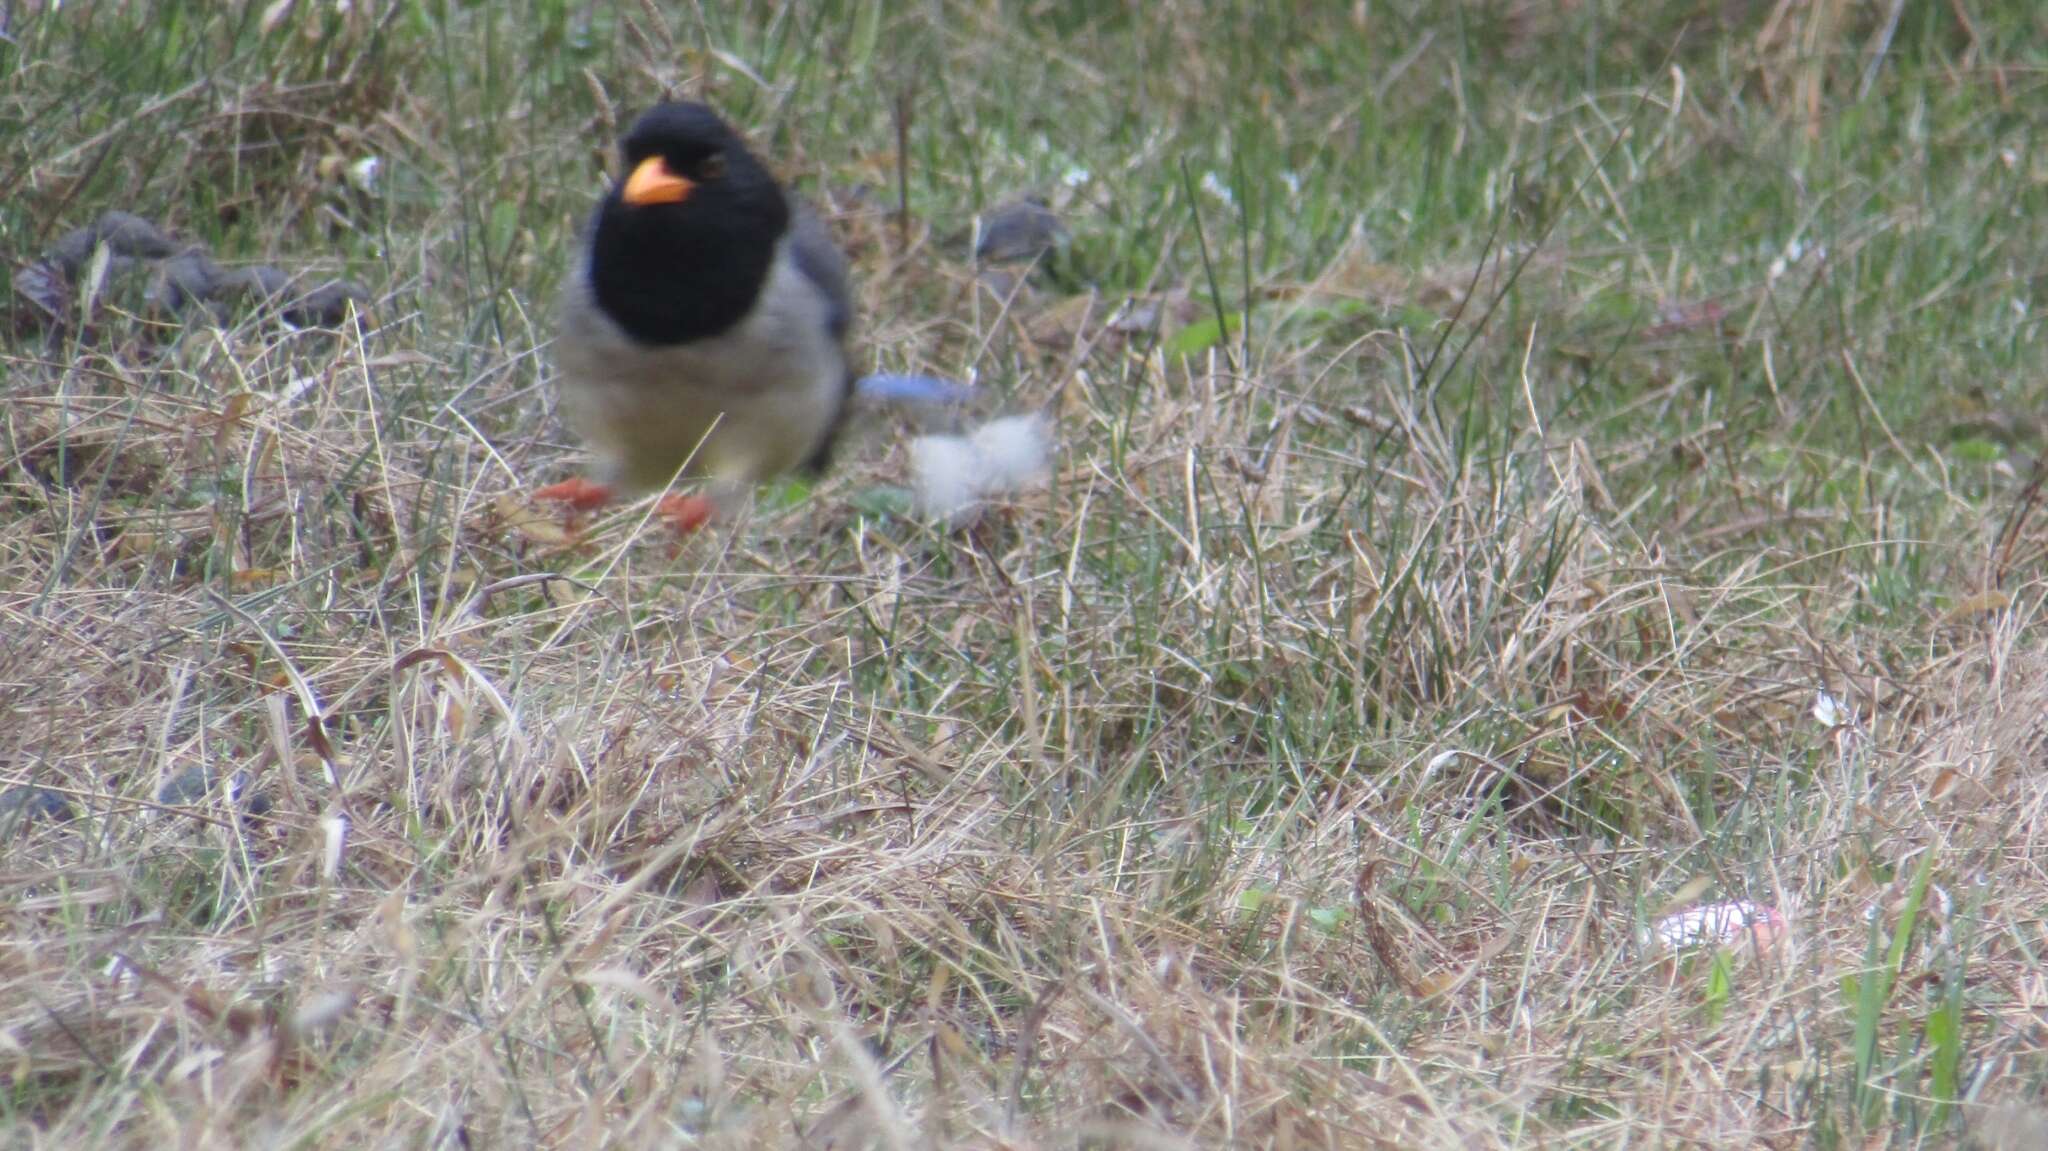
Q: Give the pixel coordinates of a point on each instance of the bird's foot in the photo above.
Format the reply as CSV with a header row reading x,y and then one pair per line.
x,y
685,514
577,493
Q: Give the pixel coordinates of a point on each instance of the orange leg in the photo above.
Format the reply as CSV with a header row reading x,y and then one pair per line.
x,y
685,514
578,493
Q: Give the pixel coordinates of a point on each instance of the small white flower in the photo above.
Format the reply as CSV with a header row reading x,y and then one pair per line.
x,y
363,173
1830,712
1075,176
1441,761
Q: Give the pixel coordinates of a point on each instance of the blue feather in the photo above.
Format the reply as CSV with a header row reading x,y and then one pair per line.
x,y
914,391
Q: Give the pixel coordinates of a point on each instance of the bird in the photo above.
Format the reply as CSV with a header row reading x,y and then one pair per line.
x,y
703,328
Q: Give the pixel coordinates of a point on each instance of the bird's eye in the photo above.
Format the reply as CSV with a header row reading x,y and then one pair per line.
x,y
711,167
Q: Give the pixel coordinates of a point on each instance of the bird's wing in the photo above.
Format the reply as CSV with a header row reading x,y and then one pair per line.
x,y
820,261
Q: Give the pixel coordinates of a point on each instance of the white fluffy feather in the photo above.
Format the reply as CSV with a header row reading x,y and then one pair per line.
x,y
954,473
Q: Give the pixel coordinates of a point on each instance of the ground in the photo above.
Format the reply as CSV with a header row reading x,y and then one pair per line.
x,y
1524,472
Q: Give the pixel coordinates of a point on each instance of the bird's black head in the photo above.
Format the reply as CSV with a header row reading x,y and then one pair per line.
x,y
685,241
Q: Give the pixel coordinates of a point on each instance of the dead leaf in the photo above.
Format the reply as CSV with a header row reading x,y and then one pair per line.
x,y
42,285
566,593
1982,603
400,359
531,524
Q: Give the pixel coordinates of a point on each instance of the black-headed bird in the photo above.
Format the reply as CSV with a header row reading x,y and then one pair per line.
x,y
703,328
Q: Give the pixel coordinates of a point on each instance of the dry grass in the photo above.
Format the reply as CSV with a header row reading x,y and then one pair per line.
x,y
1306,766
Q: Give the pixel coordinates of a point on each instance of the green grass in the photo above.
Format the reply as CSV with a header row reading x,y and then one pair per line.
x,y
1483,430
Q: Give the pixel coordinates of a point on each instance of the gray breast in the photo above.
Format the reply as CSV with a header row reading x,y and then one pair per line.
x,y
755,400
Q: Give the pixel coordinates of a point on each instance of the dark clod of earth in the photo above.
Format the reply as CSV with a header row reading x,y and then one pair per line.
x,y
29,804
177,278
1023,229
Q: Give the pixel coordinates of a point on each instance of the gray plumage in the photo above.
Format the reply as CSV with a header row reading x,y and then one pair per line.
x,y
703,327
760,398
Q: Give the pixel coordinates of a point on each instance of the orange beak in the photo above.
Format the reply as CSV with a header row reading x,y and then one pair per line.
x,y
653,183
